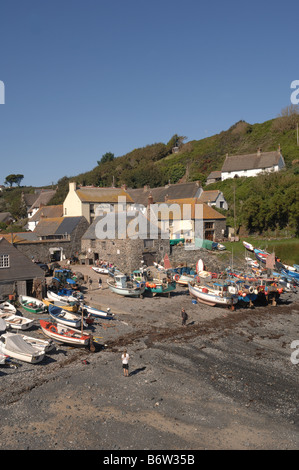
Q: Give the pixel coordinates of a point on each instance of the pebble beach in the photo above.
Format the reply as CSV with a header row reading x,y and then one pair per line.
x,y
226,381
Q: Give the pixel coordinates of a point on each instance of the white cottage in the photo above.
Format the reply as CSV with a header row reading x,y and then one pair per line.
x,y
252,164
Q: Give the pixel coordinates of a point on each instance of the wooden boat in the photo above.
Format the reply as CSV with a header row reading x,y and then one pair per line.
x,y
100,269
64,317
39,344
60,297
32,304
218,294
261,255
7,307
95,312
15,346
16,322
63,334
71,307
121,285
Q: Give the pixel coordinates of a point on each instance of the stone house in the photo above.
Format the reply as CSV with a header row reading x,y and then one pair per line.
x,y
214,177
190,219
124,240
92,201
17,272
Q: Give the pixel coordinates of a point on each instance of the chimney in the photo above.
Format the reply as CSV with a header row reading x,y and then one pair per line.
x,y
72,186
124,186
259,152
150,199
146,187
166,198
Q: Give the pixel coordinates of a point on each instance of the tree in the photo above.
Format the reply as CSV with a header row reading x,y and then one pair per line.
x,y
107,157
13,179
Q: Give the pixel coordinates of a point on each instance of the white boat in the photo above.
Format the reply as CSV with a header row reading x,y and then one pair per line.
x,y
15,346
16,322
63,334
95,312
100,270
7,307
39,344
122,286
63,316
2,326
61,298
248,246
183,279
216,294
252,262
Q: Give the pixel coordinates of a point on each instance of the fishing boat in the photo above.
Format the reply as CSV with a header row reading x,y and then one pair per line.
x,y
122,285
63,334
96,312
214,294
70,307
16,322
64,317
100,269
15,346
39,344
261,255
7,307
31,304
157,281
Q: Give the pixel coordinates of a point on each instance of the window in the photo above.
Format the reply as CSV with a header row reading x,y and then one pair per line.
x,y
148,243
4,261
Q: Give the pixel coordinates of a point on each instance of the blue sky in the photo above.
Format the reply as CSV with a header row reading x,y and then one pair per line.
x,y
83,78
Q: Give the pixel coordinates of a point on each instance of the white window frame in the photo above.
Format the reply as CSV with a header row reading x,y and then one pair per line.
x,y
4,261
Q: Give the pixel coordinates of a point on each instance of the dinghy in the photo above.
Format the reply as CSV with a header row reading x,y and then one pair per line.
x,y
71,307
66,299
15,346
100,269
95,312
39,344
7,307
63,316
248,246
16,322
32,304
63,334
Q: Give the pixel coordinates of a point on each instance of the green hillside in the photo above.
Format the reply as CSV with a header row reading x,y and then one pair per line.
x,y
263,204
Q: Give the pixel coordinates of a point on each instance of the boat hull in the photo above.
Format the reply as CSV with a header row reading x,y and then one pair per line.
x,y
64,335
204,295
16,322
31,304
126,291
64,317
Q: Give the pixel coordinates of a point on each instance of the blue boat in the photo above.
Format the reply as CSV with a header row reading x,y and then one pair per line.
x,y
64,317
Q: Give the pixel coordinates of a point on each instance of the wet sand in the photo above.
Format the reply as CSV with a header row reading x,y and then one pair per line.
x,y
225,381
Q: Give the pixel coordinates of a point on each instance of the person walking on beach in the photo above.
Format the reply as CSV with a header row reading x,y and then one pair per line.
x,y
100,283
184,316
125,361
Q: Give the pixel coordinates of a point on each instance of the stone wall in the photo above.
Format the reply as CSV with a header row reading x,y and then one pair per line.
x,y
213,260
126,254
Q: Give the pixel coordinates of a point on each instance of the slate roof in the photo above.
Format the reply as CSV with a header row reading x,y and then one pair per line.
x,y
57,225
214,175
113,229
171,191
21,267
251,161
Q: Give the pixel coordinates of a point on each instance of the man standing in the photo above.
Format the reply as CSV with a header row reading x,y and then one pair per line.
x,y
184,317
125,361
